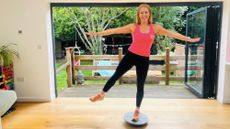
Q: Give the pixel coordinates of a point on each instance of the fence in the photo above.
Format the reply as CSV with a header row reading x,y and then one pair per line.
x,y
169,65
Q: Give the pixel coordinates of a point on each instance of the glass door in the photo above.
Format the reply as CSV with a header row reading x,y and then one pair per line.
x,y
201,57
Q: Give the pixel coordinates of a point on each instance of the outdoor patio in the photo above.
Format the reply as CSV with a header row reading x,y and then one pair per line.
x,y
129,91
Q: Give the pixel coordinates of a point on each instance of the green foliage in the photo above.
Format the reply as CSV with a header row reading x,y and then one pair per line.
x,y
94,19
63,24
193,8
87,62
86,19
154,49
170,18
7,54
61,78
125,18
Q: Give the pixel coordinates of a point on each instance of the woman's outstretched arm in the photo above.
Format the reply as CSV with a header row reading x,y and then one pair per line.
x,y
120,30
162,31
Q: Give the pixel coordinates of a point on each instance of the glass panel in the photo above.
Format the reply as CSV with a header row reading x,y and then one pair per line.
x,y
195,67
196,28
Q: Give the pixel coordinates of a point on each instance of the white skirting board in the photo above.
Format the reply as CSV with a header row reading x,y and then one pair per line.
x,y
226,101
33,99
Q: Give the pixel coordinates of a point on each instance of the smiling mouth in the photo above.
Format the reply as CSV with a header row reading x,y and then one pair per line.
x,y
144,18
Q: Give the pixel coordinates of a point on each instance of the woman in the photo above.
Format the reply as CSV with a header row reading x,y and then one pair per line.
x,y
143,33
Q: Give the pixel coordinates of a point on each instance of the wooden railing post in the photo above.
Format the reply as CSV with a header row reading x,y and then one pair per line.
x,y
167,66
120,52
70,66
73,64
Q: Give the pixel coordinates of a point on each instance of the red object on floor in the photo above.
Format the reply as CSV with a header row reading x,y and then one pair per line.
x,y
5,88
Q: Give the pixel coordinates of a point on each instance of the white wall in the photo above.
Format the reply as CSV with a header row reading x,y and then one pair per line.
x,y
34,77
228,33
34,70
224,72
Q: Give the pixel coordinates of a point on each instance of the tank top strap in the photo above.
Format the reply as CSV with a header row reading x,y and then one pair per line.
x,y
151,29
137,27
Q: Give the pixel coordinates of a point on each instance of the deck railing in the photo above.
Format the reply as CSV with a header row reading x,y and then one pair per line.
x,y
170,64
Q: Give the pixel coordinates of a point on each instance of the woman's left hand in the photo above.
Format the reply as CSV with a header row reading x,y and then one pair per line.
x,y
193,40
91,33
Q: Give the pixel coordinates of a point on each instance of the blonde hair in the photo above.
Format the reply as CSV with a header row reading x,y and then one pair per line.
x,y
138,20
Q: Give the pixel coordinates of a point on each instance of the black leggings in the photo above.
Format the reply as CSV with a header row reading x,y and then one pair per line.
x,y
128,61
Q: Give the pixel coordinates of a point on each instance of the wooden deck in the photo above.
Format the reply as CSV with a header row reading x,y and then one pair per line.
x,y
129,91
80,113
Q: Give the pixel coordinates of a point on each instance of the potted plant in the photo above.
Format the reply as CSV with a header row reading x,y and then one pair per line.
x,y
7,54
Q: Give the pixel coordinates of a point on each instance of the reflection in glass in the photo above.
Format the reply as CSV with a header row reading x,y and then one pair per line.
x,y
195,66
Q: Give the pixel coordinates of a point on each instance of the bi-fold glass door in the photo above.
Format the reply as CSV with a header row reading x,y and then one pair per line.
x,y
202,57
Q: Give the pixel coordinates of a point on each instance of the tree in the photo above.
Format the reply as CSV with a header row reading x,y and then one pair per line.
x,y
85,19
170,18
63,24
88,19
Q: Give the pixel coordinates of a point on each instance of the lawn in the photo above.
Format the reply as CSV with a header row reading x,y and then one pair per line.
x,y
61,76
62,83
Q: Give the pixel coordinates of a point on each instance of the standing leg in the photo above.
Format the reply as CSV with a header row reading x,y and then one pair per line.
x,y
141,71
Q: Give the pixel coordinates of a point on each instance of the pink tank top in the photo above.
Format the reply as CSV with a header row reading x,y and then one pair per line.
x,y
142,42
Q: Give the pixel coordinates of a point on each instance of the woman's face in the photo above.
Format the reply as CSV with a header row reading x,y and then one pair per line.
x,y
144,14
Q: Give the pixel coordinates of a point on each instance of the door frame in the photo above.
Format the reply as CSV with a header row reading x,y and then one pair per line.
x,y
211,54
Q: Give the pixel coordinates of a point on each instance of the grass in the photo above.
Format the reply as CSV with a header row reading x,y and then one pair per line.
x,y
61,77
87,72
61,80
60,62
